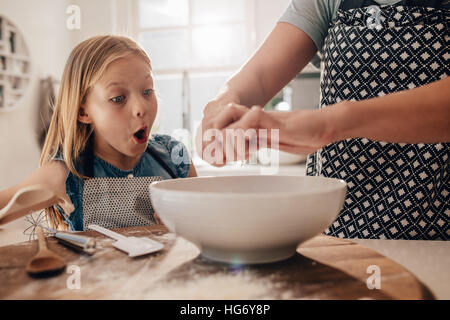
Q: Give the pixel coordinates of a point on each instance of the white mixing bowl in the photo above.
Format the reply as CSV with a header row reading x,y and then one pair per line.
x,y
248,219
273,156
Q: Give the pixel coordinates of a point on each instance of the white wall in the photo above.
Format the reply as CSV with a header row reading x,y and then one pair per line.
x,y
42,24
106,16
95,19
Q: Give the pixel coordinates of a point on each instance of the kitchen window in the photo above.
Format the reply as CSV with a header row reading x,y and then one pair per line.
x,y
194,46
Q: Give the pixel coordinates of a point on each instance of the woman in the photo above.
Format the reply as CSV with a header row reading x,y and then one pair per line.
x,y
384,119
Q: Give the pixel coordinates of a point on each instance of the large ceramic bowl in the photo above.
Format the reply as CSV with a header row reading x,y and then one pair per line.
x,y
248,219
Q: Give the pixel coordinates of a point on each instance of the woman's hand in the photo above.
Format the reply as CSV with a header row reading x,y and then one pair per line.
x,y
218,114
300,131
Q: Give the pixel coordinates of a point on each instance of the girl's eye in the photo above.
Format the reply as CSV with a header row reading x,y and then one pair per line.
x,y
148,92
118,99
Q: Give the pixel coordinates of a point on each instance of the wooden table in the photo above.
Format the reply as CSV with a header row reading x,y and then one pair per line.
x,y
323,268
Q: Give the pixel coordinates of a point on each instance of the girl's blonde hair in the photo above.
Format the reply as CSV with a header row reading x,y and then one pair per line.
x,y
84,67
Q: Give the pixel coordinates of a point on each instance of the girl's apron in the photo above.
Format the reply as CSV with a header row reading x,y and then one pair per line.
x,y
120,202
395,191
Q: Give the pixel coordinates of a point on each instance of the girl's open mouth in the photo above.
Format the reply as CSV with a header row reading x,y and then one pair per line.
x,y
141,136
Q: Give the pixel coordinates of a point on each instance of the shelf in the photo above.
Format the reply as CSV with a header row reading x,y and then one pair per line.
x,y
15,56
15,75
16,91
14,66
7,109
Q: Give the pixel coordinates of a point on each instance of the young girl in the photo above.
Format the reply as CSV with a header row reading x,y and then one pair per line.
x,y
97,154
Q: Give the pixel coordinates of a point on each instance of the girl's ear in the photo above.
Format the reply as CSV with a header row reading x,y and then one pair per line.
x,y
83,117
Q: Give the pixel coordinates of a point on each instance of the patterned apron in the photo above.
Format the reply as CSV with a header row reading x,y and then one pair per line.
x,y
120,202
395,191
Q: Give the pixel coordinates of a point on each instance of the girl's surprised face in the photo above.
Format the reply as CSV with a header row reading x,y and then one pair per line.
x,y
121,107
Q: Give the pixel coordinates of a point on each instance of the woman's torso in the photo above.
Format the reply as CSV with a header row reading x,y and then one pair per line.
x,y
395,191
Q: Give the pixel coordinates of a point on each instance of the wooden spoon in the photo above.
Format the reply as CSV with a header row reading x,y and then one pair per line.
x,y
27,200
45,262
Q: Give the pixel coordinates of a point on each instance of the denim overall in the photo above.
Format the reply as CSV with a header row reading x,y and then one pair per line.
x,y
115,198
113,202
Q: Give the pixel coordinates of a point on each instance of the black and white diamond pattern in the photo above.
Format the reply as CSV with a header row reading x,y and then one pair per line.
x,y
395,191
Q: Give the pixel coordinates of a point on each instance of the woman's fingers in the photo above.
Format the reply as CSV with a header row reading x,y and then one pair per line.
x,y
298,132
253,123
243,135
210,140
231,113
236,132
256,118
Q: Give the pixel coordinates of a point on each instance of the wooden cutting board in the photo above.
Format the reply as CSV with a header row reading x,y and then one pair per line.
x,y
324,268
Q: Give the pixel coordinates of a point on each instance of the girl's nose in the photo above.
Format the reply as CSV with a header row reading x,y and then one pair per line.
x,y
139,108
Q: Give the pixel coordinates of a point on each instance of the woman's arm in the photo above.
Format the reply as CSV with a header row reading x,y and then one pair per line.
x,y
420,115
285,52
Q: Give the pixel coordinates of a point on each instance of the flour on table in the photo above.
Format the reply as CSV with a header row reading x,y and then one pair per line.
x,y
223,286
